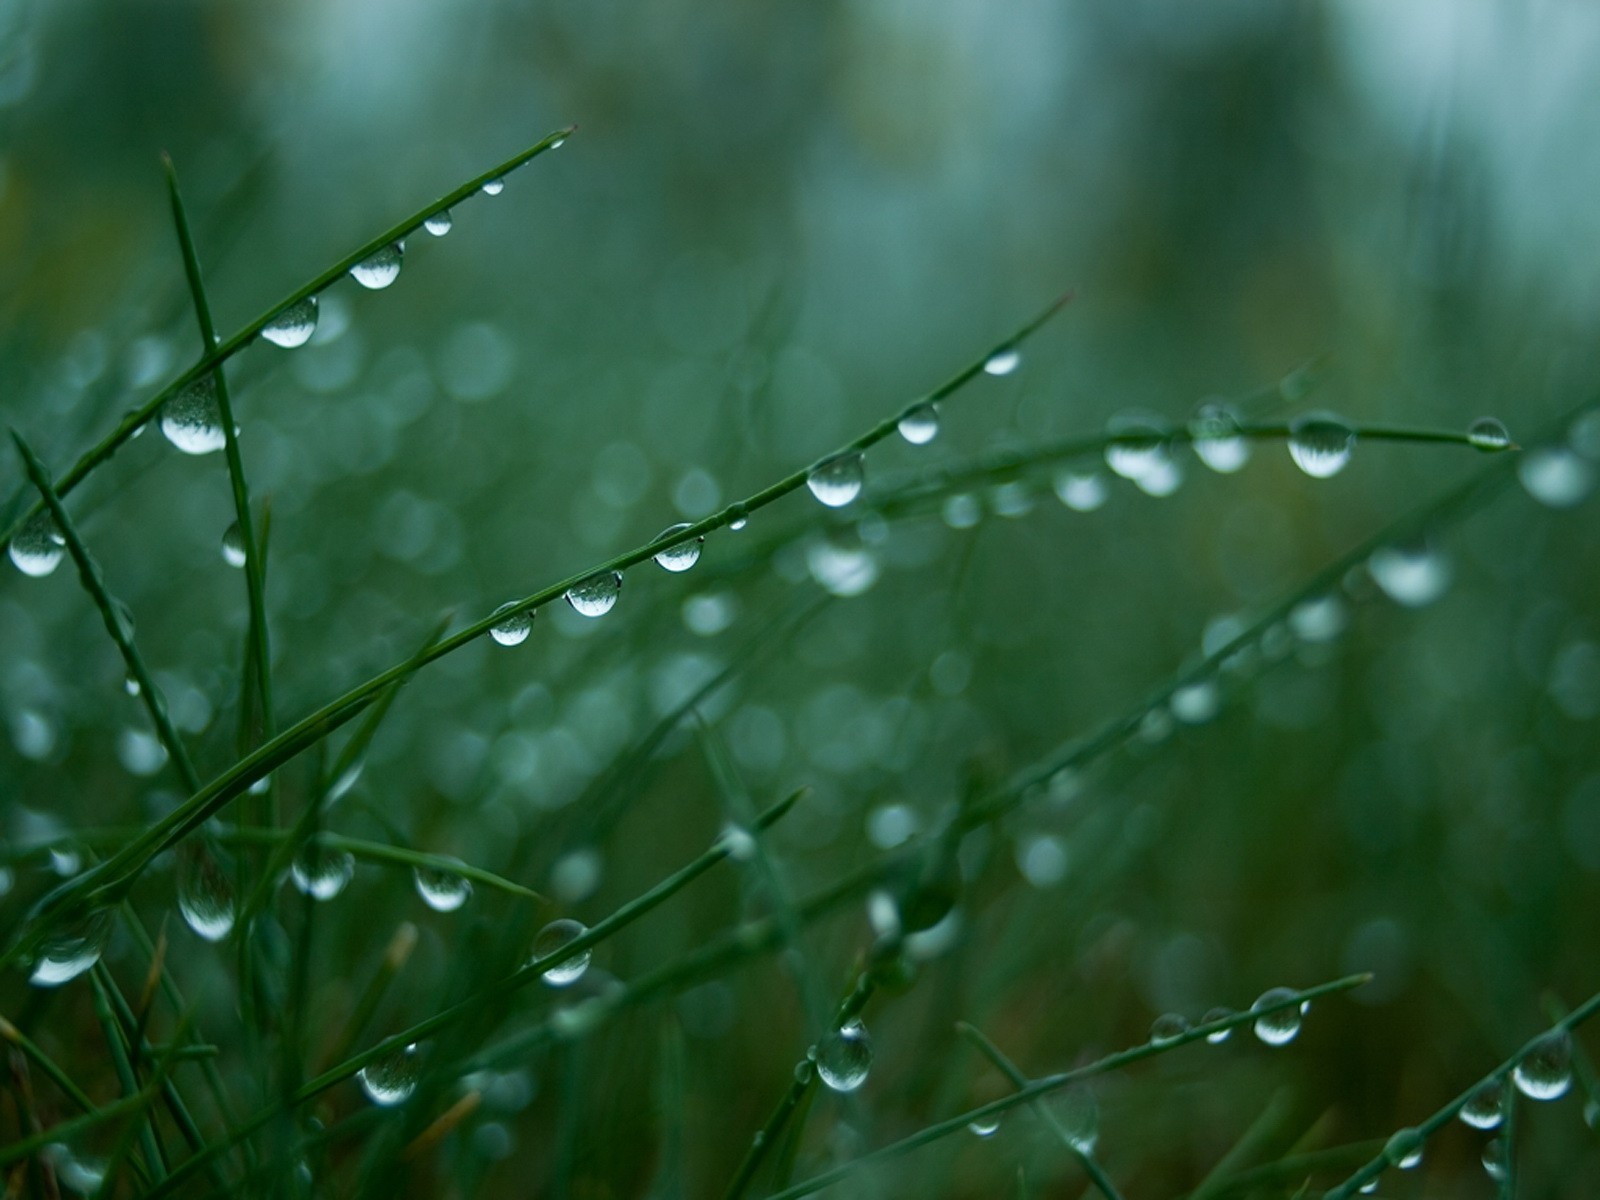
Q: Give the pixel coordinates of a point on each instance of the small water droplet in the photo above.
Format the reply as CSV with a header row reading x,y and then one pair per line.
x,y
838,480
1404,1149
1280,1027
205,894
1080,492
1321,444
1320,619
131,686
961,511
1196,703
597,595
1168,1028
1138,445
192,420
71,949
380,269
1078,1114
442,891
1217,442
1489,435
1369,1187
1003,362
391,1078
493,187
321,873
844,1057
440,223
1555,476
920,424
514,625
551,939
682,556
294,325
1414,575
1494,1159
841,570
38,547
233,546
1217,1036
1162,478
1545,1071
739,842
1482,1109
738,517
985,1127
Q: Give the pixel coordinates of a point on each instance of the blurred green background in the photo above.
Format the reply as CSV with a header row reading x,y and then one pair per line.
x,y
775,225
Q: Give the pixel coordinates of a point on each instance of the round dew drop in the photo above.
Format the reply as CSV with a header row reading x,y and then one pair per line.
x,y
379,270
1280,1027
233,546
597,595
920,425
844,1057
551,939
1494,1159
1404,1149
71,950
1003,362
493,187
1482,1109
1079,492
1217,441
1414,575
38,547
440,223
205,896
442,891
514,626
391,1079
1321,444
321,873
985,1127
192,421
1545,1071
682,556
838,481
1555,476
1218,1036
1168,1028
1489,435
1137,448
294,325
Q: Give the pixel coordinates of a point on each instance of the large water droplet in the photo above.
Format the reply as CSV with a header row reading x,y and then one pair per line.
x,y
838,481
1489,435
38,546
682,556
442,891
191,419
1321,444
844,1057
233,546
1414,575
1080,492
597,595
321,873
1168,1028
391,1078
379,270
551,939
919,426
1003,362
1161,478
1280,1027
1494,1159
514,625
1404,1149
1556,476
71,949
205,894
1138,445
1217,442
440,223
294,325
1545,1071
1217,1036
493,187
1482,1109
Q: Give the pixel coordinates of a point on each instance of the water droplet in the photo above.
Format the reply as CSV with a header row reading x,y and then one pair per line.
x,y
391,1078
1078,1114
844,1057
131,686
1280,1027
514,626
682,556
1367,1188
985,1127
1414,575
1482,1109
920,425
1404,1149
1320,619
1494,1159
440,223
738,518
72,949
1003,362
1138,445
1320,444
551,939
961,511
205,894
1555,476
1163,477
1214,432
379,270
1012,499
1218,1036
597,595
1545,1071
191,419
38,546
1168,1028
739,842
838,480
321,873
233,546
294,325
1489,435
841,570
493,187
442,891
1080,492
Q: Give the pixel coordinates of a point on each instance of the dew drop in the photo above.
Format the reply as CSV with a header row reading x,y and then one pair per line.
x,y
1003,362
1320,619
493,187
1078,1114
1168,1028
1196,703
205,895
597,595
72,949
1414,575
838,480
1321,444
442,891
1217,1036
391,1078
192,420
1489,435
1367,1188
440,223
920,425
294,325
38,546
1280,1027
985,1127
739,517
682,556
1494,1159
961,511
1162,478
514,625
1404,1149
131,685
1216,438
841,570
844,1057
1555,476
1545,1071
1138,446
1080,492
321,873
550,940
380,269
1482,1109
233,546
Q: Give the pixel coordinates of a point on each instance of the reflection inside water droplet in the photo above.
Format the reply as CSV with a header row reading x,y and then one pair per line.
x,y
837,481
442,891
552,938
380,269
